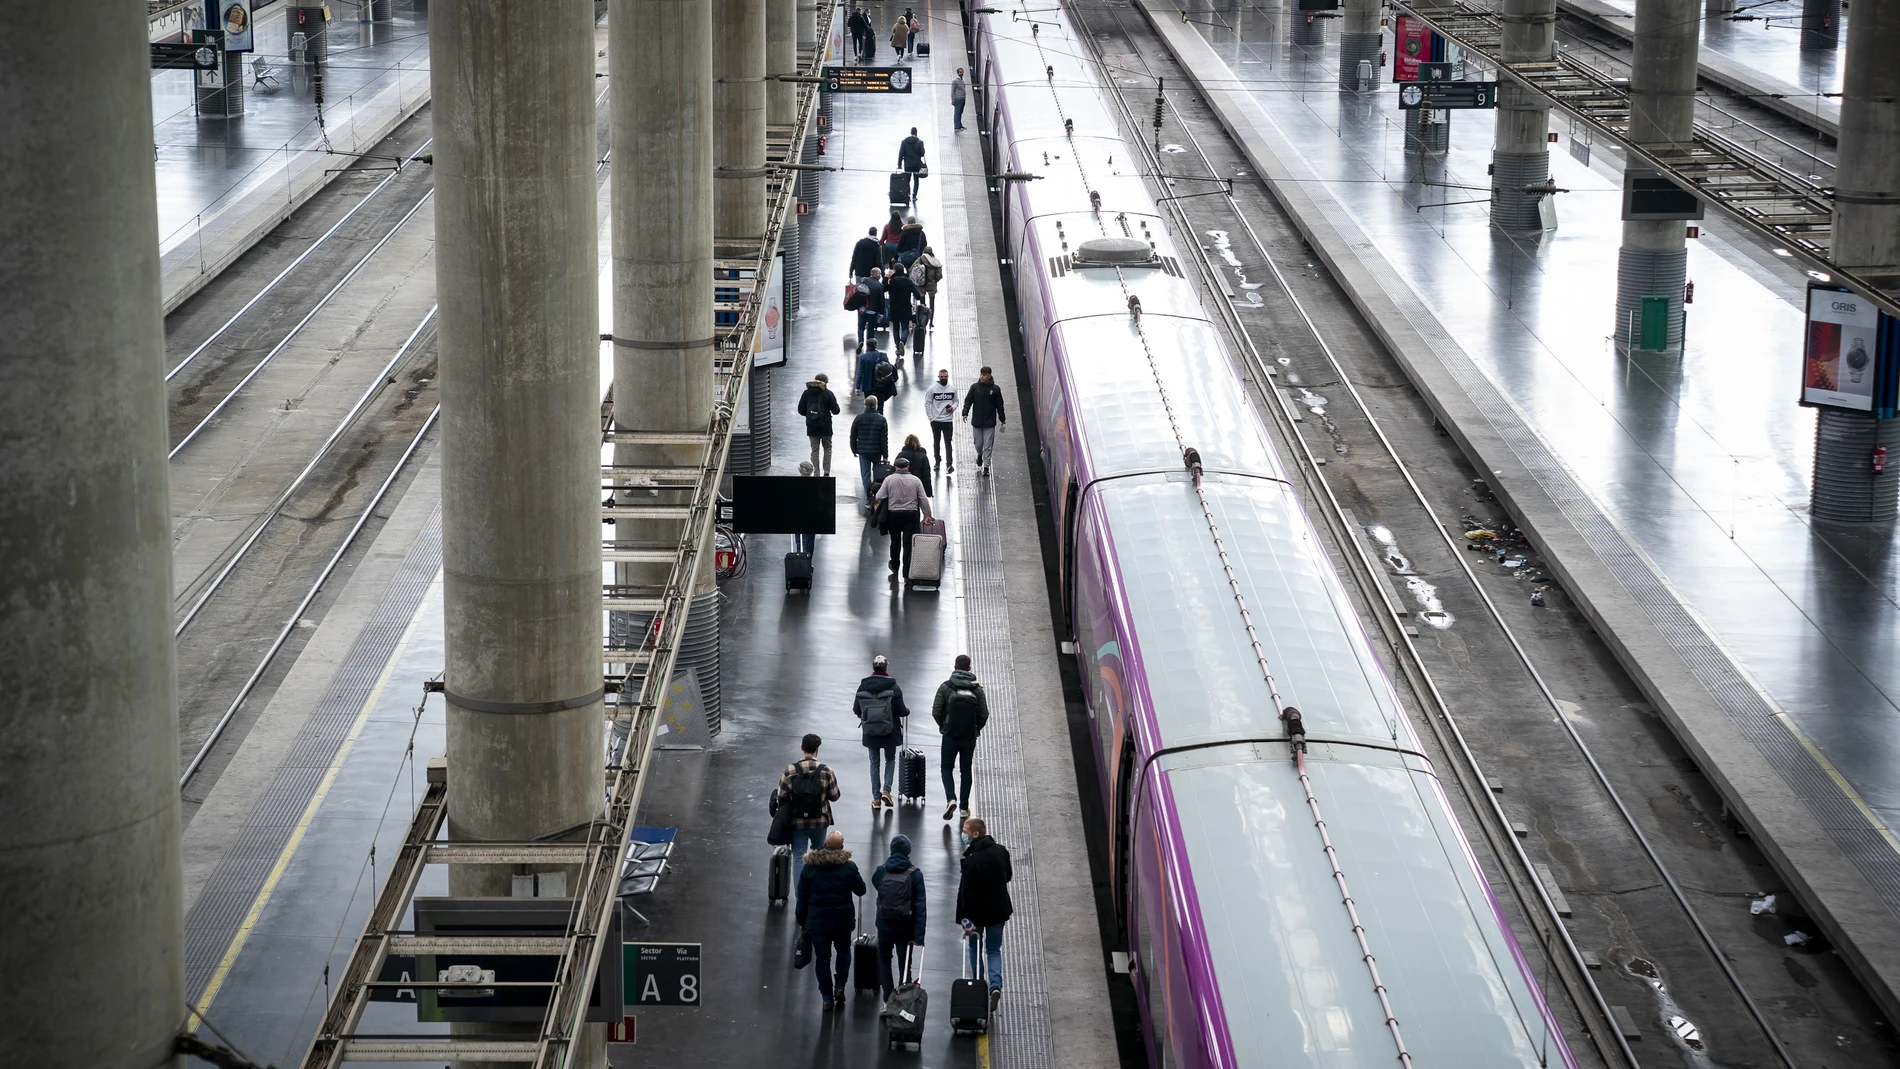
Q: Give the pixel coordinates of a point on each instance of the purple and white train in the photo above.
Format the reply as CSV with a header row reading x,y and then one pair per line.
x,y
1243,951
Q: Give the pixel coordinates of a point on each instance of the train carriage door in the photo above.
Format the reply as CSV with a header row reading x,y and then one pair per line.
x,y
1070,523
1124,873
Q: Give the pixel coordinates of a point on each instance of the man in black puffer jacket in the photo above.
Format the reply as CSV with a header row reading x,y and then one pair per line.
x,y
983,905
818,404
870,441
961,709
828,913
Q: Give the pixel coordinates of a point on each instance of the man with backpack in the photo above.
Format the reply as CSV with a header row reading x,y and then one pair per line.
x,y
899,886
961,710
880,709
866,255
925,274
867,299
818,404
809,788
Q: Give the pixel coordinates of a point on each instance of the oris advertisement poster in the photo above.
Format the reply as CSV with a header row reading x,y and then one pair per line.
x,y
1839,367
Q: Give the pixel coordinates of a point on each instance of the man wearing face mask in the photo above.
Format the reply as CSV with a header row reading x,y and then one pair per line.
x,y
940,405
983,904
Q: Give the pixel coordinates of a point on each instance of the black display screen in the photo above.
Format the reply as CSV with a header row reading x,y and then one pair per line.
x,y
784,504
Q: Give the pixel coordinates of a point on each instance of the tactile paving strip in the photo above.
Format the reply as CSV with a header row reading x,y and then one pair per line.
x,y
240,874
1020,1032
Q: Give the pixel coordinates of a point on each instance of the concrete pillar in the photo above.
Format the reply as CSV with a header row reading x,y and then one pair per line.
x,y
1654,259
1866,235
1359,38
516,277
808,28
1718,8
738,118
91,938
781,57
1309,30
663,251
1821,24
1520,154
1867,177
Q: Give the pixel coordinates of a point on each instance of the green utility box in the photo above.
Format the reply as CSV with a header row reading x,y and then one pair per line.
x,y
1654,326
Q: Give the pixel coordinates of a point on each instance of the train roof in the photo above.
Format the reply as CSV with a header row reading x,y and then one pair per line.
x,y
1201,676
1279,936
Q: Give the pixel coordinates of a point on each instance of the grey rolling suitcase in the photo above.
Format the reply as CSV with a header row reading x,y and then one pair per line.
x,y
904,1013
926,561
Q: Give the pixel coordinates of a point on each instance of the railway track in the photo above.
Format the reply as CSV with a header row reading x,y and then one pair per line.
x,y
1574,790
264,590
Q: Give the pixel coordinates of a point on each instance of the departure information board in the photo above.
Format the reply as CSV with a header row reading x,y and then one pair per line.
x,y
867,79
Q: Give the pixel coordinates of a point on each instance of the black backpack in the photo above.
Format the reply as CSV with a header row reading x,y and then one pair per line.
x,y
894,898
876,711
883,372
805,793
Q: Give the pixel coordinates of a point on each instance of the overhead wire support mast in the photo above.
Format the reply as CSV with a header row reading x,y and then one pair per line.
x,y
581,947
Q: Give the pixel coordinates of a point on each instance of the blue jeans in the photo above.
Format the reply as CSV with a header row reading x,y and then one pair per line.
x,y
804,543
991,939
889,754
956,109
864,469
803,839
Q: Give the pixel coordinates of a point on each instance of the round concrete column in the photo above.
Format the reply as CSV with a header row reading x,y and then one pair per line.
x,y
1654,260
1520,155
738,118
1359,39
1821,24
1846,487
516,278
781,57
91,937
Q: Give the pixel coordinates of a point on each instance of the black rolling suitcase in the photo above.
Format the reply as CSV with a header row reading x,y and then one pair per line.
x,y
969,997
778,880
797,572
900,188
923,48
864,956
911,770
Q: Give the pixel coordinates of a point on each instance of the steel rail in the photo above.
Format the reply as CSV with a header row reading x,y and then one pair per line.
x,y
294,264
316,588
1504,628
277,507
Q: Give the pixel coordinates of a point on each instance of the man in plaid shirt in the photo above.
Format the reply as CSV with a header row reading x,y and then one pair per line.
x,y
809,788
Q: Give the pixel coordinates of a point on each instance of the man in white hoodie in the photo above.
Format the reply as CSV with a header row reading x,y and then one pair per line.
x,y
940,403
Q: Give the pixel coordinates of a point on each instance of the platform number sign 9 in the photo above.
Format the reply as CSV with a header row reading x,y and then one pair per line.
x,y
660,974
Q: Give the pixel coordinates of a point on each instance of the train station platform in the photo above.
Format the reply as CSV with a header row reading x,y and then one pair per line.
x,y
1756,53
280,871
1669,493
226,182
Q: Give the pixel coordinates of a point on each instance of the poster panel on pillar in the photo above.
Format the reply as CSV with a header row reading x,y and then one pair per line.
x,y
768,343
234,18
1411,45
1837,369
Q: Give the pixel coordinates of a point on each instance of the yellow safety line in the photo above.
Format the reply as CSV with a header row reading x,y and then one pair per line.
x,y
303,824
983,1051
1839,780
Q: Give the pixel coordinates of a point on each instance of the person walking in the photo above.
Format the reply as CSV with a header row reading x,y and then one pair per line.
x,y
826,911
911,242
906,507
983,905
900,35
870,439
901,298
919,461
983,411
863,36
887,241
818,404
871,308
960,710
880,709
804,541
940,404
809,787
899,887
910,158
910,40
868,358
959,92
925,274
866,256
